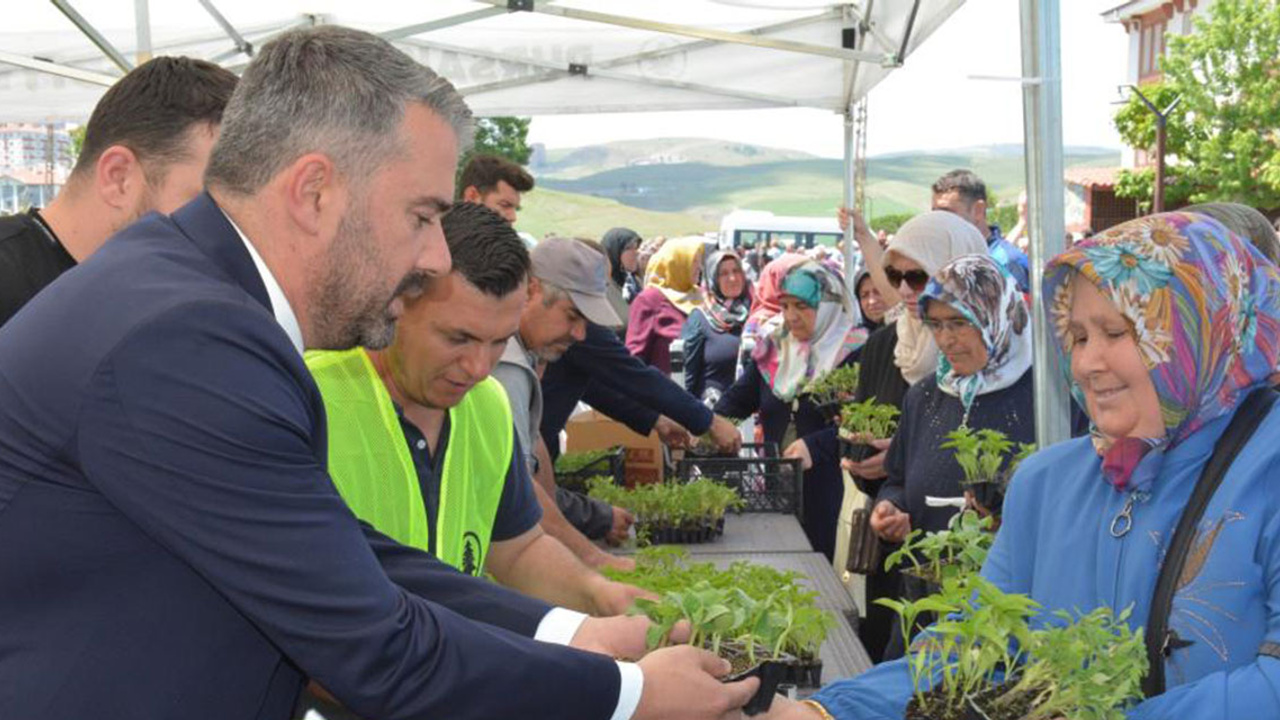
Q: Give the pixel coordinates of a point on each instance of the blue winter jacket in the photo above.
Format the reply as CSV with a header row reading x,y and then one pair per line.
x,y
1056,545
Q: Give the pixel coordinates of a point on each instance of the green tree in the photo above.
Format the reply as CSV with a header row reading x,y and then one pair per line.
x,y
1223,139
505,137
890,223
77,142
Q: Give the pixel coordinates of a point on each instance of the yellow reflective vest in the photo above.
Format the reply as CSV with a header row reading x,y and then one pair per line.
x,y
371,465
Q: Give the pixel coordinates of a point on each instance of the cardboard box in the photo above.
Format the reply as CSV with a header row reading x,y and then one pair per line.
x,y
592,431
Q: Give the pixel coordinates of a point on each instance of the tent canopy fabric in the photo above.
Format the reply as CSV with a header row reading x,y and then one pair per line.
x,y
509,57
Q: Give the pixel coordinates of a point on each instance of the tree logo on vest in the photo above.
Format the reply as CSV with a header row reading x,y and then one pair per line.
x,y
472,560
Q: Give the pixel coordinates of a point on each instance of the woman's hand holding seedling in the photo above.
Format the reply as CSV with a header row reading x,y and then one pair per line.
x,y
873,467
890,523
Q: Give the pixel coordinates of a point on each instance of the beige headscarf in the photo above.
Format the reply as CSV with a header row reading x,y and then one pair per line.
x,y
674,271
931,240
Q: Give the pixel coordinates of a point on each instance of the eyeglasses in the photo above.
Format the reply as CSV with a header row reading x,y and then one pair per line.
x,y
951,325
916,279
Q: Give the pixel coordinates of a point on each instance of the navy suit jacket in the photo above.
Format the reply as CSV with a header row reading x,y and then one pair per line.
x,y
171,545
600,371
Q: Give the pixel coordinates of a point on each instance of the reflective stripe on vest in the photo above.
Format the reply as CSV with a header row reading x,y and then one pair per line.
x,y
371,465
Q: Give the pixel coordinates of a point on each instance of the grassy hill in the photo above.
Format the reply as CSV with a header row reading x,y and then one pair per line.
x,y
545,211
574,163
792,186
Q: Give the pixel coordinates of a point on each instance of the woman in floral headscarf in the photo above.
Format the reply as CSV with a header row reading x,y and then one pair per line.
x,y
671,292
978,319
714,331
1167,324
818,328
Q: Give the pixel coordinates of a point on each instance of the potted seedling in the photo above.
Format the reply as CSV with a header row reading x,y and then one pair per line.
x,y
664,569
860,423
831,391
959,551
751,634
573,469
985,661
988,459
671,512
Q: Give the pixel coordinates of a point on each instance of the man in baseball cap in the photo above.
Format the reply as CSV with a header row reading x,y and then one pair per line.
x,y
580,270
566,292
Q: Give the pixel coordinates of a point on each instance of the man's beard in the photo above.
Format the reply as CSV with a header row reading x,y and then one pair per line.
x,y
350,308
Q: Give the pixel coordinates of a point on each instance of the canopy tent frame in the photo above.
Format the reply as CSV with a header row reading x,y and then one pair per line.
x,y
1041,98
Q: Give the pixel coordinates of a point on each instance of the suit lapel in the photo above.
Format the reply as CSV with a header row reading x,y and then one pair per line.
x,y
203,222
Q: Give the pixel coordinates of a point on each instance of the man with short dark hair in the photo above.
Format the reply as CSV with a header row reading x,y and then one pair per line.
x,y
963,193
496,183
145,148
449,482
171,544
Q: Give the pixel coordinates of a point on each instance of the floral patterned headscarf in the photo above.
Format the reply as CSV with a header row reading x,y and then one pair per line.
x,y
765,306
1204,308
985,294
786,363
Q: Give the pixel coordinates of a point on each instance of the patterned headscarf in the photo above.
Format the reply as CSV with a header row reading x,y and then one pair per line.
x,y
986,295
725,314
767,303
1204,308
674,269
786,363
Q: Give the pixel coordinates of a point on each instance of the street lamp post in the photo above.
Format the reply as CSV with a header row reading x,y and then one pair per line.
x,y
1162,121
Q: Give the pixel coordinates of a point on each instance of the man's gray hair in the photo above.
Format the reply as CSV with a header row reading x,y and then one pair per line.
x,y
327,89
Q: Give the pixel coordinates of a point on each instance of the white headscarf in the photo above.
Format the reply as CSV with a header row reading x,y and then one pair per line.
x,y
931,240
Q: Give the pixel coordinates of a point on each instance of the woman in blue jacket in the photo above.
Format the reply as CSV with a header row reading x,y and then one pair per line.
x,y
1167,324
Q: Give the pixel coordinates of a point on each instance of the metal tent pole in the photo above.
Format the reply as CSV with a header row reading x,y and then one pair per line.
x,y
849,171
142,21
1042,130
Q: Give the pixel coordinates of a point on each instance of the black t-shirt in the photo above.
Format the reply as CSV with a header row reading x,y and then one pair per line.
x,y
30,258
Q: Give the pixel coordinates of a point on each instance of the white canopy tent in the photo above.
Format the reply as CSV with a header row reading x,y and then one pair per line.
x,y
544,57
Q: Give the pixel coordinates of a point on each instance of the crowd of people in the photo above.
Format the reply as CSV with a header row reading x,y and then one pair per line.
x,y
286,442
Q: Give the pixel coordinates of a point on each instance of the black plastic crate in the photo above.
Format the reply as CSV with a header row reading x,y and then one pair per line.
x,y
767,481
612,465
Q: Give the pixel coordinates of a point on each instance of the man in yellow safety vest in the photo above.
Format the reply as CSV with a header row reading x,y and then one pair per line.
x,y
421,440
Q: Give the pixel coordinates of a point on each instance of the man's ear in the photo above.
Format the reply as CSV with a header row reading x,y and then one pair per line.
x,y
119,179
472,195
535,288
315,198
979,210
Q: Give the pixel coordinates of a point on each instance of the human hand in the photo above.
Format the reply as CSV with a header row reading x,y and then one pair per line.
x,y
615,598
621,529
671,432
799,449
725,436
873,467
682,683
890,523
617,562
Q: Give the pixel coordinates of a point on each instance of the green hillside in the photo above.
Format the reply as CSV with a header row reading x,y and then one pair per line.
x,y
546,211
575,163
895,184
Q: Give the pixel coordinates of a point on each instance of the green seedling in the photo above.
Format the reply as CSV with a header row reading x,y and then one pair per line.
x,y
868,420
837,386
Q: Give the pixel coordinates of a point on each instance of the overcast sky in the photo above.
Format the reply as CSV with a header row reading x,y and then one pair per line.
x,y
932,102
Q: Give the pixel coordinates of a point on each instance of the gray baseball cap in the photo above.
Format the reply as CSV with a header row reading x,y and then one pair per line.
x,y
580,270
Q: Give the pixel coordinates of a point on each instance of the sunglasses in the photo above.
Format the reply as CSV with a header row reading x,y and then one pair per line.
x,y
916,279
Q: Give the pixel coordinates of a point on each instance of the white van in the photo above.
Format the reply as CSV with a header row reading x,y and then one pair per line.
x,y
742,229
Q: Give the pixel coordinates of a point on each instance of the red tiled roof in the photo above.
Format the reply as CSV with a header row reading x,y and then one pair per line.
x,y
1093,177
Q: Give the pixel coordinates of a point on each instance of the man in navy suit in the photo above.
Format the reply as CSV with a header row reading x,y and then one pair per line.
x,y
170,544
